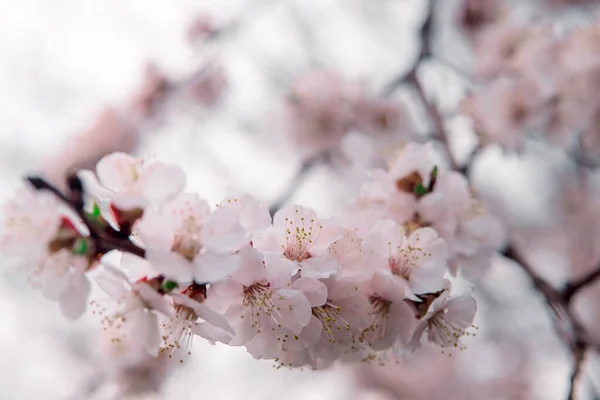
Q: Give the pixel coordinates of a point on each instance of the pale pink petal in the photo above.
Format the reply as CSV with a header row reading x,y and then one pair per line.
x,y
322,266
115,170
213,318
252,268
279,270
222,232
173,265
314,290
73,301
297,309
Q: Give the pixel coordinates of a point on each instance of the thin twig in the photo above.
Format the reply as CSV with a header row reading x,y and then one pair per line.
x,y
573,287
578,359
435,116
296,182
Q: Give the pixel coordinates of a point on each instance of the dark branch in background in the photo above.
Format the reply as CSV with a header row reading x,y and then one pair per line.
x,y
426,38
104,237
296,182
579,357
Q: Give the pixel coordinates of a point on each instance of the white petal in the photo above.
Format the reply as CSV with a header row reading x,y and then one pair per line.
x,y
115,170
155,300
213,318
113,282
163,182
143,328
280,270
210,267
173,265
251,268
73,301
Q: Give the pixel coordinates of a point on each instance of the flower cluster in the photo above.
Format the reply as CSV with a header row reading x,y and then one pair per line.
x,y
537,81
367,285
322,108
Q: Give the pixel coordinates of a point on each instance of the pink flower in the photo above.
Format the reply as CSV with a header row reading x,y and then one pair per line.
x,y
472,235
139,304
316,115
137,183
446,320
379,117
260,304
419,259
391,319
505,111
253,216
208,88
185,240
496,46
299,239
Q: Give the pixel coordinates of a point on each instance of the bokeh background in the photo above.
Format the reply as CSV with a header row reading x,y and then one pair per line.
x,y
62,63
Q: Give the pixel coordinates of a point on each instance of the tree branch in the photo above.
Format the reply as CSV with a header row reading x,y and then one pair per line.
x,y
105,237
296,182
573,287
578,359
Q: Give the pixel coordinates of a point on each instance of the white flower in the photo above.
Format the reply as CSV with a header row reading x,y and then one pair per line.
x,y
61,277
260,305
185,241
446,320
179,329
31,221
420,258
299,237
138,305
137,183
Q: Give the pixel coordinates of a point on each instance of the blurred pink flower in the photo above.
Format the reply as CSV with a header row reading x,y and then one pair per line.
x,y
208,88
317,113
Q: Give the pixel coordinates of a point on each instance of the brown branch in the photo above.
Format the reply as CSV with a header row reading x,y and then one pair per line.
x,y
578,359
435,116
105,238
573,287
296,182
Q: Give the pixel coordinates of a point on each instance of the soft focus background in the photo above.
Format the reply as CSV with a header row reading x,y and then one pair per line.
x,y
64,62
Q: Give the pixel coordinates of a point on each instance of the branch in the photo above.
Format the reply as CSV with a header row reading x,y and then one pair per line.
x,y
579,357
105,238
296,182
438,121
573,287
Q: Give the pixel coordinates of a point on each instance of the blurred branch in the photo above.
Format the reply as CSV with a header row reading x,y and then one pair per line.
x,y
579,357
426,37
573,287
434,114
296,182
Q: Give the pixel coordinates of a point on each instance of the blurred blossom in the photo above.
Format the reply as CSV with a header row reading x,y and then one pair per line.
x,y
201,28
208,88
474,15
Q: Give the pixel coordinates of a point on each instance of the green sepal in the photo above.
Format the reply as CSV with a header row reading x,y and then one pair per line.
x,y
167,286
81,246
420,190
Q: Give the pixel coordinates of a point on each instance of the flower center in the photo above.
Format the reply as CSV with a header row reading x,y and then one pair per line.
x,y
446,332
187,240
178,332
409,183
